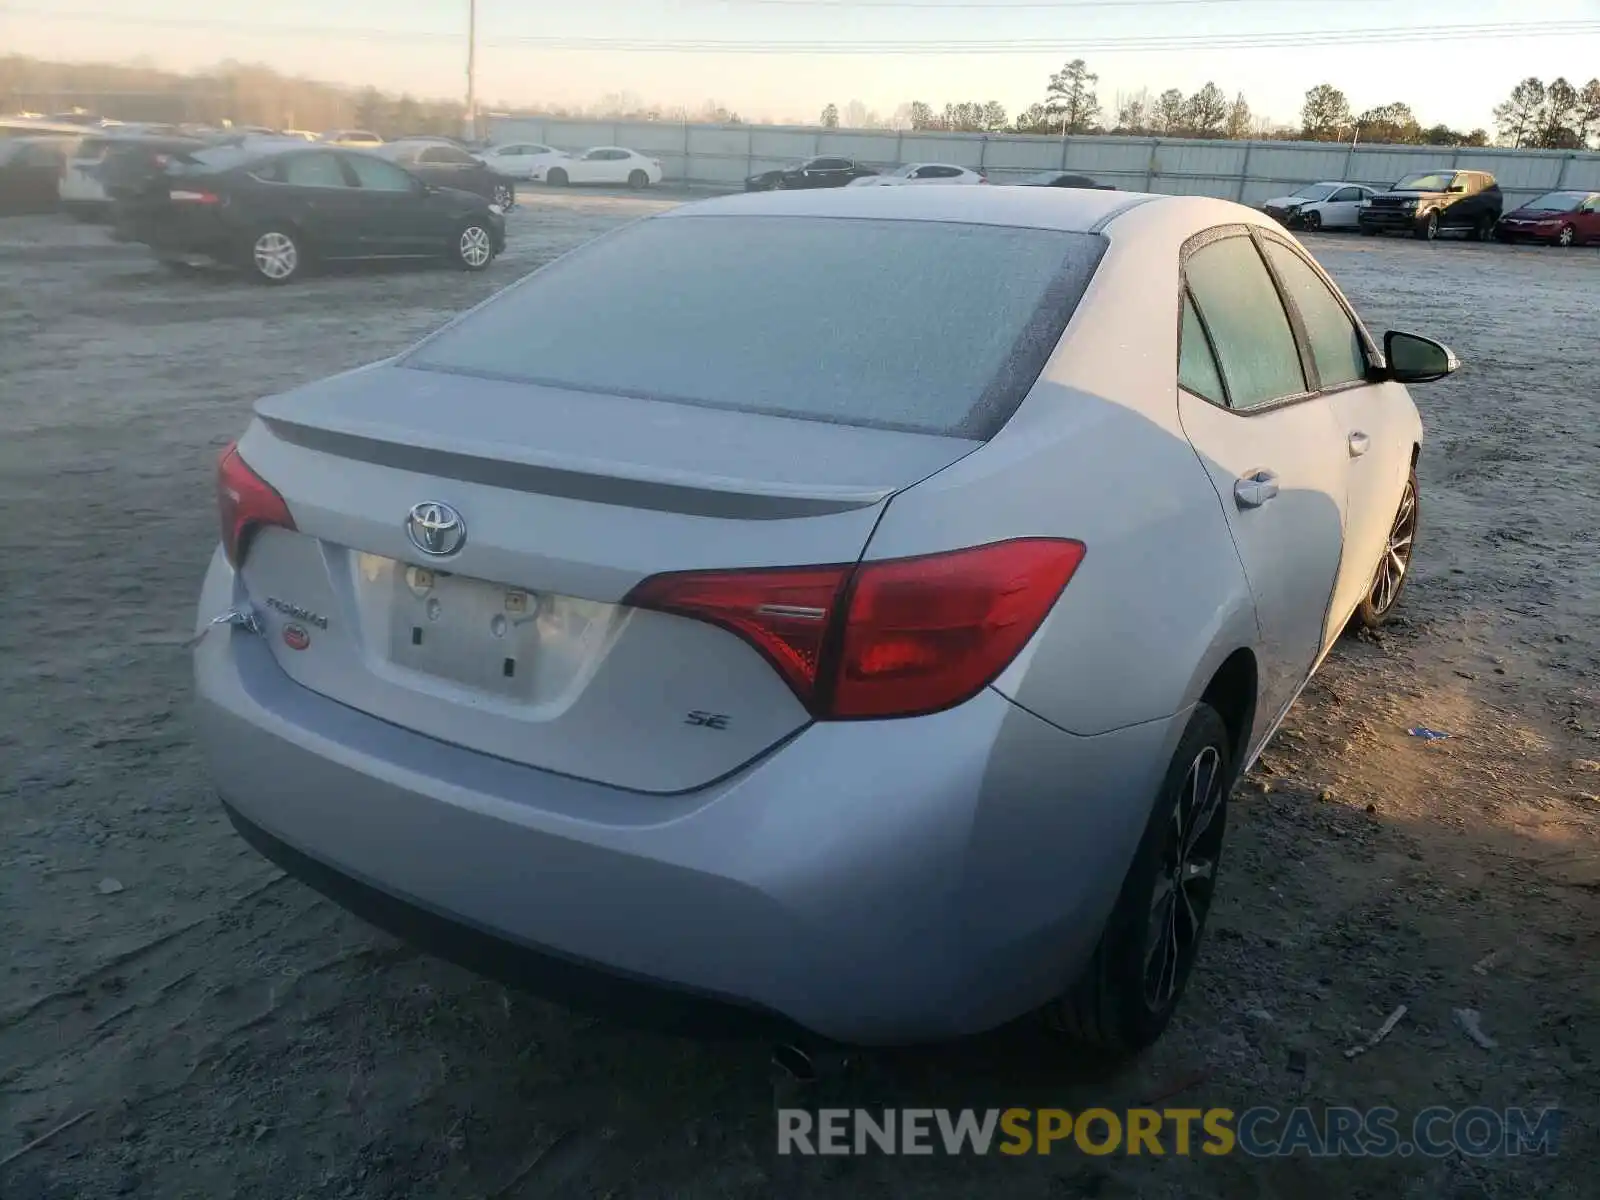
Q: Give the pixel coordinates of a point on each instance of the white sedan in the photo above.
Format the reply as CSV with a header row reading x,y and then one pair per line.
x,y
1320,206
520,160
918,173
603,164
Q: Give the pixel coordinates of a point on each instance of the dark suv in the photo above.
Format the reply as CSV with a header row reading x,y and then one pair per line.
x,y
1425,205
812,173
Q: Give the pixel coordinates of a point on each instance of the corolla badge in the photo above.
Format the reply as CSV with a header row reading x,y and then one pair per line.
x,y
436,528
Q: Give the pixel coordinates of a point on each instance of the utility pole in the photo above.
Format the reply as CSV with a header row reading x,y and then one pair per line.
x,y
471,121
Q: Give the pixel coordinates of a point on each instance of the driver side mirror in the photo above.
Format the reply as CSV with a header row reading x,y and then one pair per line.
x,y
1415,359
1456,187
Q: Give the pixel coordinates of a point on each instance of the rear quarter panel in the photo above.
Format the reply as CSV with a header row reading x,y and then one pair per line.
x,y
1096,453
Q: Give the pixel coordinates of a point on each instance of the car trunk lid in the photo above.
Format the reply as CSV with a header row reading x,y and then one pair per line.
x,y
517,644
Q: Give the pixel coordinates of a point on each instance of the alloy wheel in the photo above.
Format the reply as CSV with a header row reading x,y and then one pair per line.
x,y
1565,238
1185,880
1433,225
1396,559
276,256
476,249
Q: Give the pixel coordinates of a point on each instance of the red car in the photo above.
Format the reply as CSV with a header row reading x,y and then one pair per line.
x,y
1564,218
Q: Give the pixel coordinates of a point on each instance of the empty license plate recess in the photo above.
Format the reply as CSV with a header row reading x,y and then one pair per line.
x,y
480,634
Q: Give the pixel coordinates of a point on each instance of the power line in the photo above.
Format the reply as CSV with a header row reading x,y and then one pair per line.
x,y
1105,44
1080,44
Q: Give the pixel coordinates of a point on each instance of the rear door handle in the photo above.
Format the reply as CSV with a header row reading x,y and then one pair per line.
x,y
1255,489
1358,444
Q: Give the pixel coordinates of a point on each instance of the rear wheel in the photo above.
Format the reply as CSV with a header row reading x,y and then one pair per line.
x,y
1483,228
638,180
276,255
1394,568
1139,970
1567,237
1427,227
556,177
1368,231
474,247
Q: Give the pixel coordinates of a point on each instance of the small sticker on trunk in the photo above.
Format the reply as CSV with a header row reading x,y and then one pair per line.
x,y
295,637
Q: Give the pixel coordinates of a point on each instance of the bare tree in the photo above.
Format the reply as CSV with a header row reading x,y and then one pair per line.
x,y
923,116
1206,112
1517,118
1035,119
1133,111
830,117
1325,116
1589,111
1238,125
1168,115
1558,119
858,116
1071,97
994,116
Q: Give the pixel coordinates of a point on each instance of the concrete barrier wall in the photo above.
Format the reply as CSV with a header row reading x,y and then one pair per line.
x,y
1249,172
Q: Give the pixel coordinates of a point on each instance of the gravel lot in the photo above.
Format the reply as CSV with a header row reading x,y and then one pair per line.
x,y
224,1032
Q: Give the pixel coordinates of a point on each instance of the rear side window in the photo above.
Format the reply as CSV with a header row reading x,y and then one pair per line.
x,y
1335,345
1197,367
924,326
1255,347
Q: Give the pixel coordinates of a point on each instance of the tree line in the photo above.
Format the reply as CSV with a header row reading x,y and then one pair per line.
x,y
1557,116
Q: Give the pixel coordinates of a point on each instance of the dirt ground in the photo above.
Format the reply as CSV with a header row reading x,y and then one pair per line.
x,y
223,1032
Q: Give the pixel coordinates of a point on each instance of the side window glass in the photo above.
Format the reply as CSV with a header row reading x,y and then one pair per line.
x,y
376,176
1335,345
1197,368
1345,194
314,170
1255,347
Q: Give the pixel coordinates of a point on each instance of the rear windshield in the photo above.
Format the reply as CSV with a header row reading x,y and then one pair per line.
x,y
924,326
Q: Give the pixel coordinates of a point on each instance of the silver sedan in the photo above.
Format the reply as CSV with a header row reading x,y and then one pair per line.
x,y
847,610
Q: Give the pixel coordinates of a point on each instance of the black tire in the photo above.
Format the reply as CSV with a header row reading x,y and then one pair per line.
x,y
505,195
1368,231
1384,592
1427,227
1115,1008
275,254
1313,222
638,180
1568,236
556,177
1482,228
472,248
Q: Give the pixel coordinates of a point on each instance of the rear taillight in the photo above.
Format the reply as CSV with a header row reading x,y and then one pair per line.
x,y
246,503
187,197
895,638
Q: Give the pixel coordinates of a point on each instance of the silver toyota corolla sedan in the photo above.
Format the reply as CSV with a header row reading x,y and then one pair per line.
x,y
847,610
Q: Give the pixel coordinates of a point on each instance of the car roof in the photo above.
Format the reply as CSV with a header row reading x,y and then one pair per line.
x,y
1029,207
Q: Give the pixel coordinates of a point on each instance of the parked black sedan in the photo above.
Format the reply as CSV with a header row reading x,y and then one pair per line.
x,y
1061,179
30,173
452,167
276,209
809,173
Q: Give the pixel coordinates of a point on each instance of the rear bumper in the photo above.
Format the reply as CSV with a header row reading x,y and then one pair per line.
x,y
871,882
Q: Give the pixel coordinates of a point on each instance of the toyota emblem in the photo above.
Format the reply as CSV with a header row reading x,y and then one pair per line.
x,y
436,528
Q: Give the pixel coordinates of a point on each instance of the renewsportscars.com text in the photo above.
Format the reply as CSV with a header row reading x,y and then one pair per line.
x,y
1259,1132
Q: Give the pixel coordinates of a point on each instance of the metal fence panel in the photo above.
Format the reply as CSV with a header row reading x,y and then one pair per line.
x,y
1249,172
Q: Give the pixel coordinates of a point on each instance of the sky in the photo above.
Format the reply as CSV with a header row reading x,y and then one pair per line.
x,y
982,50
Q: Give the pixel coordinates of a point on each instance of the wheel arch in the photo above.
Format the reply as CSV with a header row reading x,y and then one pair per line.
x,y
1233,690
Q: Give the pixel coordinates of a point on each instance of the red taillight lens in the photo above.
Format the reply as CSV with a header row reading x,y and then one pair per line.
x,y
186,197
785,614
245,502
895,638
